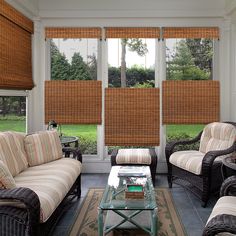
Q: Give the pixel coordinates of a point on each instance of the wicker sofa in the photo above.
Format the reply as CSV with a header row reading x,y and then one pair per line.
x,y
222,220
35,179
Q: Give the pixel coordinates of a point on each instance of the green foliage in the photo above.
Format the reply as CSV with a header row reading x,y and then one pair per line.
x,y
134,75
136,45
87,145
79,70
60,67
183,66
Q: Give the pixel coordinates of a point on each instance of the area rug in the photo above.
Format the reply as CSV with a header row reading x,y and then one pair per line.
x,y
169,223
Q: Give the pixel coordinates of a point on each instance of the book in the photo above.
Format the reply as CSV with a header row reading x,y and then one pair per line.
x,y
131,171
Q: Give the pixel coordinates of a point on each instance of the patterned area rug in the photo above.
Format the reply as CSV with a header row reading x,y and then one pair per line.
x,y
169,223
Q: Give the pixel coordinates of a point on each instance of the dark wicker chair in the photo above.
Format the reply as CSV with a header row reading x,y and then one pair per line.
x,y
152,166
225,222
210,177
24,221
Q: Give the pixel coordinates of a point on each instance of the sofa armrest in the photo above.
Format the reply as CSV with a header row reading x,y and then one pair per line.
x,y
228,187
29,199
74,151
219,224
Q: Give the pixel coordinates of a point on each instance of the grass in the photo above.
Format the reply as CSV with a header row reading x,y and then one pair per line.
x,y
176,130
90,131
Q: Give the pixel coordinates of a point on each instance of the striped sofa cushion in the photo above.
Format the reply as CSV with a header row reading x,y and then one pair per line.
x,y
188,160
51,182
43,147
217,136
225,205
134,156
12,152
6,179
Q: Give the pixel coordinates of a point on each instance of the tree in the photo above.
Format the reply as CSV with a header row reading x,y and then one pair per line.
x,y
92,67
134,45
60,67
79,69
202,52
181,65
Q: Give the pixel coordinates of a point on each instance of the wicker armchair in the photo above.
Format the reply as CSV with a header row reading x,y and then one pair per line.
x,y
223,216
200,171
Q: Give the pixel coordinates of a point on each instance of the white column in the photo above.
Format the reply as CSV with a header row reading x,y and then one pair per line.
x,y
35,111
224,70
233,73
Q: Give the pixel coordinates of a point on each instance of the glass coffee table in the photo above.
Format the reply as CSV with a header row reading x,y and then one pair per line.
x,y
117,209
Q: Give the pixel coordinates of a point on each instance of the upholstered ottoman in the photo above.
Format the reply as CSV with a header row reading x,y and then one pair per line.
x,y
136,156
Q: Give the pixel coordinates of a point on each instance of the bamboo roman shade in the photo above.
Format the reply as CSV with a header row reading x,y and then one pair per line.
x,y
70,32
190,102
132,116
191,32
73,102
131,32
15,49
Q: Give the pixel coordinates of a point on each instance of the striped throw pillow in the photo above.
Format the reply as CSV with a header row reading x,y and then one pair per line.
x,y
43,147
12,152
6,179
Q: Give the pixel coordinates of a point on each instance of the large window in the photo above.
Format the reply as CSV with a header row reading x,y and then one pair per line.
x,y
188,59
76,59
131,62
13,113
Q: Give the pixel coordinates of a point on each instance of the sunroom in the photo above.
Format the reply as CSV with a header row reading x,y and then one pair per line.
x,y
105,89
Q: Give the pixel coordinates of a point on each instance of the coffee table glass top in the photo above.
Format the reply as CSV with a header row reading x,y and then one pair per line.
x,y
114,194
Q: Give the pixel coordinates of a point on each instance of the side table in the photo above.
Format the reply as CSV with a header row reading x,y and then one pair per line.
x,y
229,166
66,141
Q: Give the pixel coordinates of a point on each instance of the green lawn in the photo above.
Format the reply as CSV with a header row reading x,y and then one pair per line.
x,y
90,131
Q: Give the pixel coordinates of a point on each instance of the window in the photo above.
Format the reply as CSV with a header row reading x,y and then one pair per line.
x,y
188,59
76,59
13,113
131,62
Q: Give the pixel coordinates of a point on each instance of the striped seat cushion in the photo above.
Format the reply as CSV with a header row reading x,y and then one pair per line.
x,y
225,205
51,182
12,152
217,136
6,179
188,160
134,156
43,147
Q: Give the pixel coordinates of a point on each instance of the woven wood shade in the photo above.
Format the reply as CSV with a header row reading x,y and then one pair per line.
x,y
15,56
15,16
191,32
73,102
132,116
190,102
141,32
88,32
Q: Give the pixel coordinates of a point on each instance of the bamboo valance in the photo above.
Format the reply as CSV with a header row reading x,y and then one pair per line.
x,y
73,32
73,101
15,16
15,56
132,116
190,102
191,32
132,32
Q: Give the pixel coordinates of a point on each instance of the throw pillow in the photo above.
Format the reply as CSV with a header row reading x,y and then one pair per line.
x,y
43,147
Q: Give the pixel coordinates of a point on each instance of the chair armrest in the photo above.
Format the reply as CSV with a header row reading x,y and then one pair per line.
x,y
210,156
26,196
228,187
219,224
169,149
75,151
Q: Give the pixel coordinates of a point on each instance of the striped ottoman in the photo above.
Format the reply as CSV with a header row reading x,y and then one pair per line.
x,y
136,156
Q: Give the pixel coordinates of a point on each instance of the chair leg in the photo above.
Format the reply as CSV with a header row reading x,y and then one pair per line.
x,y
169,176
